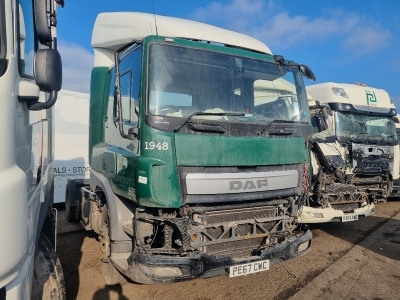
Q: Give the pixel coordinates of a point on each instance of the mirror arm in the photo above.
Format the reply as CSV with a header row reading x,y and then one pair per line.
x,y
34,105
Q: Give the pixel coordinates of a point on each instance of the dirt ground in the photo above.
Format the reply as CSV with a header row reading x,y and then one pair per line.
x,y
79,254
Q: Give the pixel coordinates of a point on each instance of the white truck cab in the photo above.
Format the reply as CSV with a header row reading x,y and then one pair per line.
x,y
396,182
354,151
30,77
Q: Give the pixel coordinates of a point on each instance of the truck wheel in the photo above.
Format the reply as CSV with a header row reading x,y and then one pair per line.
x,y
110,273
48,278
72,196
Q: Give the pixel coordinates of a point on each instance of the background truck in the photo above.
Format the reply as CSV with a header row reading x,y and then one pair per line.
x,y
354,154
29,267
396,182
199,163
71,141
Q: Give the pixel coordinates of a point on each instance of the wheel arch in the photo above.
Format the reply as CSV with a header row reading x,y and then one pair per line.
x,y
119,210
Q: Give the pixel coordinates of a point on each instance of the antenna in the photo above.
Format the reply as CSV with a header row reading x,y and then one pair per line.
x,y
155,19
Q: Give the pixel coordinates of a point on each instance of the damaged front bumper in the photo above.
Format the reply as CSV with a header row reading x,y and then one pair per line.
x,y
151,269
328,214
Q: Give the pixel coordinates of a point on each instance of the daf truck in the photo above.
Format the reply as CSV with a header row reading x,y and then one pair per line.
x,y
354,151
30,77
198,151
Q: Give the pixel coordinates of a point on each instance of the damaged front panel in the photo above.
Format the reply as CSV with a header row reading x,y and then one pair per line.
x,y
237,232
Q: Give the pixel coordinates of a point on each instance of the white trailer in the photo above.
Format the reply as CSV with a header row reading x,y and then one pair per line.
x,y
30,77
71,141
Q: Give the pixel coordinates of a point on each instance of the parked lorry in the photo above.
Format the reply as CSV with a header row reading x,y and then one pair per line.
x,y
71,141
355,152
396,182
198,143
29,80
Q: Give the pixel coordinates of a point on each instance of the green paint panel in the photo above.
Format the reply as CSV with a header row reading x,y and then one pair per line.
x,y
158,183
203,150
99,87
120,170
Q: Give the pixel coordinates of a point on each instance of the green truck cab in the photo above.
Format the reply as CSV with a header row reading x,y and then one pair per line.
x,y
198,148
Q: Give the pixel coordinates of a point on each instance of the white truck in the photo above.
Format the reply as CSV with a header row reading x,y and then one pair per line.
x,y
30,76
354,151
71,141
396,182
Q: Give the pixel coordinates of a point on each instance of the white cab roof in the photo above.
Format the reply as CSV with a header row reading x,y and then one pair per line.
x,y
112,30
357,95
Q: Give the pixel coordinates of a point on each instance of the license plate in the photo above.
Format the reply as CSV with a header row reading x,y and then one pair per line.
x,y
350,217
249,268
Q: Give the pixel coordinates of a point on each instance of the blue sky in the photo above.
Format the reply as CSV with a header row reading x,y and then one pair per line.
x,y
342,41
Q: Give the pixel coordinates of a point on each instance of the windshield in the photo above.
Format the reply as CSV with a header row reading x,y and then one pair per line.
x,y
184,81
350,125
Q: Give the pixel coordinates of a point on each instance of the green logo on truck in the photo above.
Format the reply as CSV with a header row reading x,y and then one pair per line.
x,y
371,98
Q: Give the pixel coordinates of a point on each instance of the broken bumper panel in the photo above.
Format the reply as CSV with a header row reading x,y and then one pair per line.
x,y
150,269
328,214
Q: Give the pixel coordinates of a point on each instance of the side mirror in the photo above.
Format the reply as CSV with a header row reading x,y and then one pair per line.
x,y
306,72
321,122
396,119
48,77
133,133
48,70
42,22
327,111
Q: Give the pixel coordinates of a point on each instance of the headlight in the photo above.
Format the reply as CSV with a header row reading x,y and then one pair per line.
x,y
315,215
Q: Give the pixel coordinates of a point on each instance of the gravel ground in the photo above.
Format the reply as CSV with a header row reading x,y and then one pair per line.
x,y
79,254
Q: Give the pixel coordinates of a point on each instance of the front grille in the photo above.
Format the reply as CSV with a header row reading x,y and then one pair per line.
x,y
236,231
238,214
235,249
239,197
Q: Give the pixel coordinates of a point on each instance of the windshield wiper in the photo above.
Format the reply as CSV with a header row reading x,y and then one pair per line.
x,y
202,113
279,121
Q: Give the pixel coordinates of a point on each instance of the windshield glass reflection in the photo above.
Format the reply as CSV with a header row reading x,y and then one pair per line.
x,y
184,81
356,126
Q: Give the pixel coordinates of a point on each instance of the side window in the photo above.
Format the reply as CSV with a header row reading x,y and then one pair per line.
x,y
130,74
26,38
126,94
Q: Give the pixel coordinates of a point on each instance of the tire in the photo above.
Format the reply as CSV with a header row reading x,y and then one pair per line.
x,y
72,196
110,273
48,277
